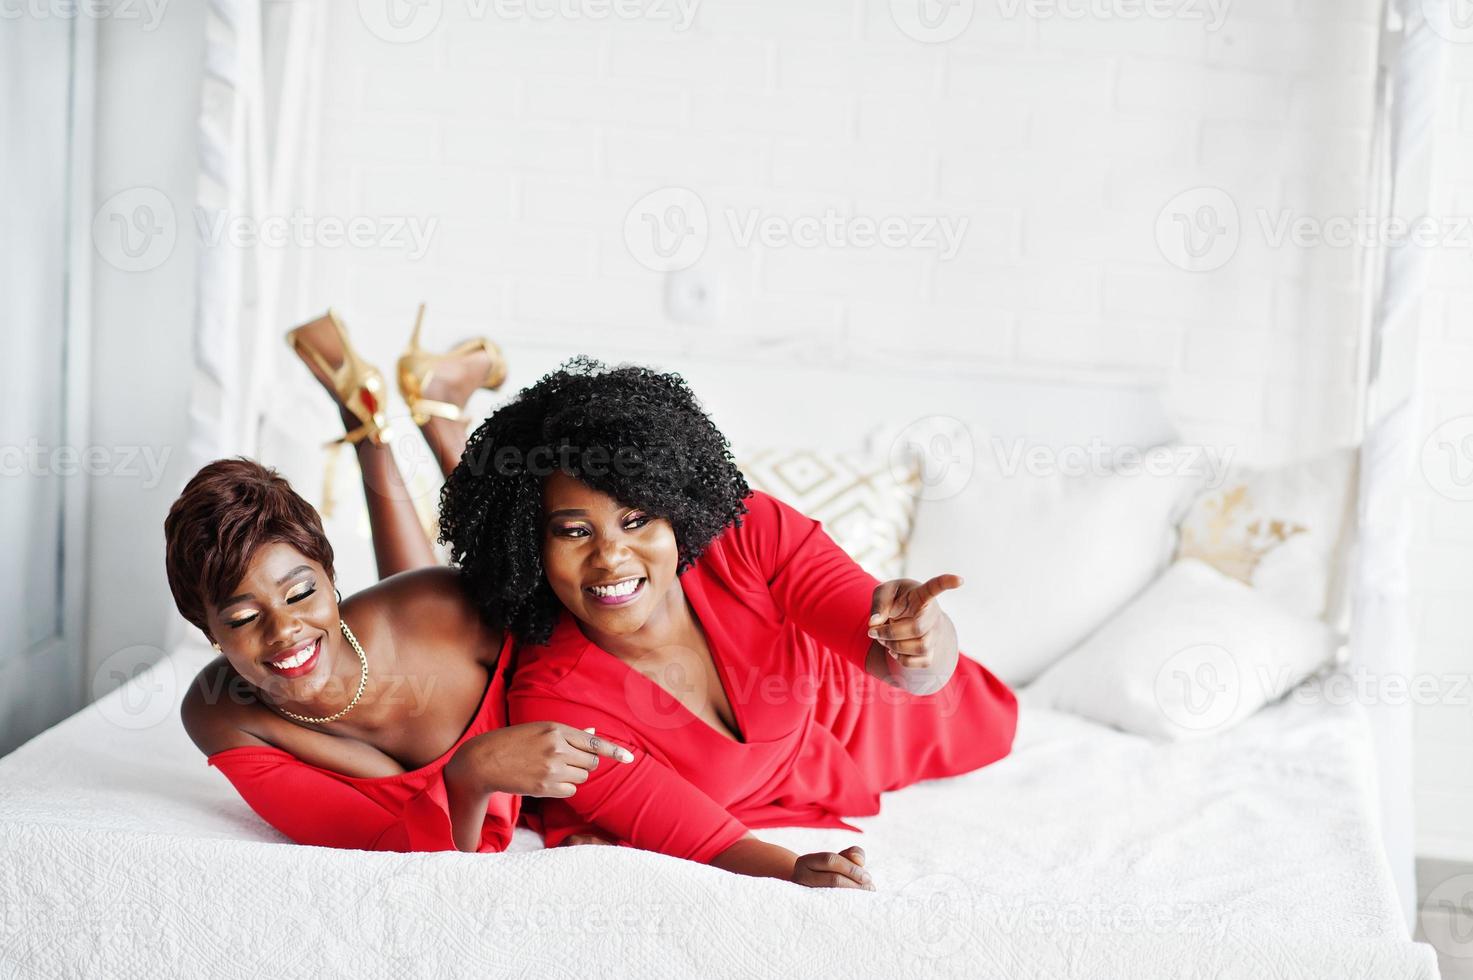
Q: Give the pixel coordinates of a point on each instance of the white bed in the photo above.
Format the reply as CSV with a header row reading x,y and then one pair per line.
x,y
1258,853
1086,853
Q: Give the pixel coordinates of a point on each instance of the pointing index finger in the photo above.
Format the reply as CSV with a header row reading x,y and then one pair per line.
x,y
938,585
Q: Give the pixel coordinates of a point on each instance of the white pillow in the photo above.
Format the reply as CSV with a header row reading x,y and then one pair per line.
x,y
866,505
1283,530
1047,558
1193,655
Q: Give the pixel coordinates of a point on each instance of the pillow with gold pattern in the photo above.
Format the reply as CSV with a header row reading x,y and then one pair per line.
x,y
864,506
1283,530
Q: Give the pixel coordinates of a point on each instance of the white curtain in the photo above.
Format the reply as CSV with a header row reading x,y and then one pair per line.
x,y
257,109
1381,634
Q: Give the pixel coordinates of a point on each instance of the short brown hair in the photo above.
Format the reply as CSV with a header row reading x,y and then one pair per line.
x,y
227,511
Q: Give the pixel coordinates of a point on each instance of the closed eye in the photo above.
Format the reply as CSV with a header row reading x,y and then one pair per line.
x,y
236,624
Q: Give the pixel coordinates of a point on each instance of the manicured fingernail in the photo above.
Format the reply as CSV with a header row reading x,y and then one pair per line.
x,y
625,755
588,730
874,634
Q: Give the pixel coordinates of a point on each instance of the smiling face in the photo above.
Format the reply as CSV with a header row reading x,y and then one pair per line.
x,y
611,566
279,625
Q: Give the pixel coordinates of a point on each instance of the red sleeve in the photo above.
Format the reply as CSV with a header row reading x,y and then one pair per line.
x,y
813,581
311,806
643,803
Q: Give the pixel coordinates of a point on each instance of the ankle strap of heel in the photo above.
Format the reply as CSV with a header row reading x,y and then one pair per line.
x,y
423,409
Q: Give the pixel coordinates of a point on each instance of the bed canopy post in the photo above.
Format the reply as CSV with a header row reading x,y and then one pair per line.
x,y
1381,637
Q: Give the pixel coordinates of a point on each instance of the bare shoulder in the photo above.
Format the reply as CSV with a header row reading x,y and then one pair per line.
x,y
425,601
217,709
435,585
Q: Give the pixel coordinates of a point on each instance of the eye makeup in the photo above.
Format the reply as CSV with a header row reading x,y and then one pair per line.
x,y
297,593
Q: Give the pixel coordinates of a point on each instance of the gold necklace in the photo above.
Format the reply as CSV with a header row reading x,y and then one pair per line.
x,y
362,682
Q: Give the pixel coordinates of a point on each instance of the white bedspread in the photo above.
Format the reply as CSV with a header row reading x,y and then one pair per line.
x,y
1086,853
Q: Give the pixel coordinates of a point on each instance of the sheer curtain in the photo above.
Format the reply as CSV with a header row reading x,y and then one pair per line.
x,y
256,116
1381,633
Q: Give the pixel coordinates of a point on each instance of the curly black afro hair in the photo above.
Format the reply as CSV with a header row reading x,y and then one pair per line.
x,y
638,435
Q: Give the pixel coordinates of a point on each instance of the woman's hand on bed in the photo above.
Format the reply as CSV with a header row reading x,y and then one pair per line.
x,y
915,644
826,869
539,758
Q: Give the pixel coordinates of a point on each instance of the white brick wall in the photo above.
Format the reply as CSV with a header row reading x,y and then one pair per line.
x,y
1060,138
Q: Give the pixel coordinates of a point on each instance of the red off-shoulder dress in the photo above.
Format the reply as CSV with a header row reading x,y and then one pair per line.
x,y
786,614
404,812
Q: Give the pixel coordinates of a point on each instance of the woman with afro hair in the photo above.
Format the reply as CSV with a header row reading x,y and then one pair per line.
x,y
759,675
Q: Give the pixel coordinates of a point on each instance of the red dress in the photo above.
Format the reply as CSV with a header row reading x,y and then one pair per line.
x,y
404,812
786,613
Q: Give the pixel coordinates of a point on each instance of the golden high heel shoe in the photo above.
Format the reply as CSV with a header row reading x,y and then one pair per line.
x,y
357,384
417,366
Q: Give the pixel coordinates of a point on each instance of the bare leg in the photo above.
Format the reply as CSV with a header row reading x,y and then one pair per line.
x,y
447,442
399,539
454,381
